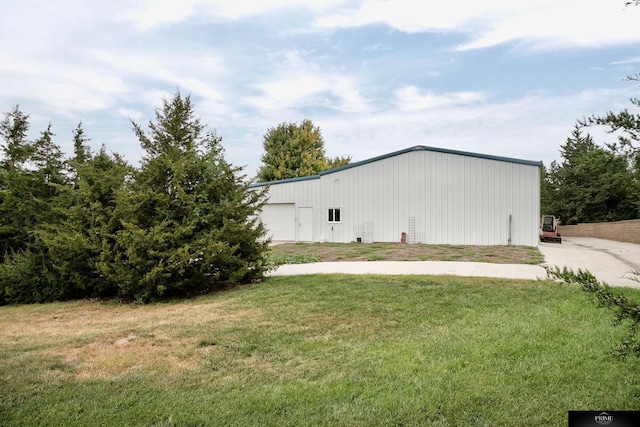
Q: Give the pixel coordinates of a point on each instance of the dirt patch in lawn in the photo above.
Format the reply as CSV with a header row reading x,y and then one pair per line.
x,y
93,340
291,253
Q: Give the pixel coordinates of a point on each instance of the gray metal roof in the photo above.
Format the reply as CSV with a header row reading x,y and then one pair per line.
x,y
397,153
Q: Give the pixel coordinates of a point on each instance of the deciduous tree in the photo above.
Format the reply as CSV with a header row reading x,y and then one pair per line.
x,y
292,151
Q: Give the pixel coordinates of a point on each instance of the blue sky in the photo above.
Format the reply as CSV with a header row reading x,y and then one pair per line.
x,y
493,77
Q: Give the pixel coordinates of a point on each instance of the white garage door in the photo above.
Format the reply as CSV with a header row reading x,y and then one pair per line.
x,y
280,220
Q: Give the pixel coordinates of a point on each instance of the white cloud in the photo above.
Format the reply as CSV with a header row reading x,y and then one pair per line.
x,y
148,14
188,71
634,60
115,60
130,113
410,98
298,91
563,24
543,24
66,88
349,94
519,128
297,81
152,13
334,92
406,15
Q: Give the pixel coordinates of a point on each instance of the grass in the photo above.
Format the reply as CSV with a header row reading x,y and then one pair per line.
x,y
319,350
284,258
297,253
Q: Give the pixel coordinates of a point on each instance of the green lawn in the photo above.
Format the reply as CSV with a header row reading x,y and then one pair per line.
x,y
297,253
319,350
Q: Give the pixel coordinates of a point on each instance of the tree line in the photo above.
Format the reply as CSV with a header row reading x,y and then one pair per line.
x,y
596,182
181,223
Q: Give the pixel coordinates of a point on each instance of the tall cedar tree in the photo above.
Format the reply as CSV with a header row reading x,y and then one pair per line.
x,y
34,188
292,151
189,219
77,243
592,183
14,182
626,126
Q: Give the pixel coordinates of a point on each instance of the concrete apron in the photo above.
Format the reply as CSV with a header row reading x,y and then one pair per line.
x,y
609,261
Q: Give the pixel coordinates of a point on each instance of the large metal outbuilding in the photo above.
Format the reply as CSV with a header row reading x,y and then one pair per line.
x,y
420,195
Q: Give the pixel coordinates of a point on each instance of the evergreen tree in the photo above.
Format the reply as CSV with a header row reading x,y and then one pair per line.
x,y
35,188
592,183
78,242
547,192
189,220
33,180
81,151
16,150
625,124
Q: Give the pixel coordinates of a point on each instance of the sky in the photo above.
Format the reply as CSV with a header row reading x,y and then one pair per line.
x,y
493,77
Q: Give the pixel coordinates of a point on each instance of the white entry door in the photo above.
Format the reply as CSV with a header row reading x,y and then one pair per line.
x,y
305,224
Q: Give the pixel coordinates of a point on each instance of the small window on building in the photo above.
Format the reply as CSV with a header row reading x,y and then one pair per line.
x,y
334,215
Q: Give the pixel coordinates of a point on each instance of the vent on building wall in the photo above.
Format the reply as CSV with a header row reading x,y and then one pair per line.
x,y
358,233
363,233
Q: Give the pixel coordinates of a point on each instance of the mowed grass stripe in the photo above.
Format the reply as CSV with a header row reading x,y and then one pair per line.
x,y
319,350
300,253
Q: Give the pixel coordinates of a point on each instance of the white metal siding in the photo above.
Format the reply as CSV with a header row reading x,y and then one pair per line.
x,y
452,198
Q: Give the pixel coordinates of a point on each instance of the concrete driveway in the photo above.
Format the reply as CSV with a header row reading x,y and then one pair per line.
x,y
609,261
